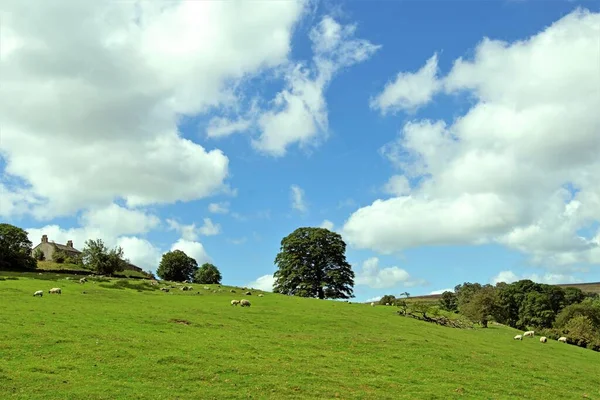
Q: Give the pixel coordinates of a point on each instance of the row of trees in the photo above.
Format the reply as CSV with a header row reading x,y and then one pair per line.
x,y
177,266
526,305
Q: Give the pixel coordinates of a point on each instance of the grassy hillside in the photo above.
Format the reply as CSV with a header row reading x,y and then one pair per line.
x,y
48,266
127,340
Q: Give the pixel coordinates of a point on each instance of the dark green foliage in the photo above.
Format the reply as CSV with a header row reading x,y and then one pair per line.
x,y
59,256
38,254
388,298
536,311
449,301
176,266
98,258
573,295
15,249
482,305
465,291
581,331
207,274
588,310
312,263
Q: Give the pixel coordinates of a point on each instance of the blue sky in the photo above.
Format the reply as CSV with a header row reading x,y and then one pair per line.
x,y
440,156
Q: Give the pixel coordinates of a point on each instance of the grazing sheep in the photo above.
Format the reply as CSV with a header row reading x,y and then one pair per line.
x,y
82,280
543,339
529,333
261,295
562,339
372,304
164,289
184,288
248,294
244,303
387,304
518,337
232,291
206,288
235,302
39,293
55,290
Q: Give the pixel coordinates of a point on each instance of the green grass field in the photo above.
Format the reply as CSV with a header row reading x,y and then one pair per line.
x,y
116,342
50,266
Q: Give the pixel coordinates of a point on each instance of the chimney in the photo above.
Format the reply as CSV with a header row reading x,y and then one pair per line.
x,y
44,238
70,243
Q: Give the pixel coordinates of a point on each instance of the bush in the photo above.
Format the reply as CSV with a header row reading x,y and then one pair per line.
x,y
59,256
581,331
38,254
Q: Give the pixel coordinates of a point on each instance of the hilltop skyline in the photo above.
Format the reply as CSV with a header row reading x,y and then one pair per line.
x,y
445,144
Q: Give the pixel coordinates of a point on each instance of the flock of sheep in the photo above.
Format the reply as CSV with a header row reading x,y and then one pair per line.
x,y
543,339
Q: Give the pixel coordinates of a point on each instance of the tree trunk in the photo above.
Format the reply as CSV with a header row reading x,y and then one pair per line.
x,y
321,293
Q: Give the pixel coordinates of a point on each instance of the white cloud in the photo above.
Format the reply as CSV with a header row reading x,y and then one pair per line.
x,y
499,173
140,252
264,283
397,185
549,278
221,127
115,220
299,113
191,232
327,224
378,278
102,85
298,201
374,299
409,90
442,291
192,249
219,208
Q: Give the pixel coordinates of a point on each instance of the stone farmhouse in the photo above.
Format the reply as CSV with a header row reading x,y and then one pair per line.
x,y
48,249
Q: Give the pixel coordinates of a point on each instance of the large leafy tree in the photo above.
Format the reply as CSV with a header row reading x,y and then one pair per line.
x,y
15,249
207,274
312,263
99,258
176,266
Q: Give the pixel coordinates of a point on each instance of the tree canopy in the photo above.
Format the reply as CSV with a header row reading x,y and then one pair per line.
x,y
176,266
97,257
15,249
207,274
312,263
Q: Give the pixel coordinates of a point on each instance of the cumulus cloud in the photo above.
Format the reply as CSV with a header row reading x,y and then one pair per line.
x,y
101,87
115,220
299,112
549,278
219,208
519,168
327,224
222,127
409,90
378,278
192,249
264,283
191,232
397,185
298,200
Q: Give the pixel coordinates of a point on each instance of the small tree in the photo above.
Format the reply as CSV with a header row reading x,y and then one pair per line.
x,y
15,249
481,306
207,274
38,254
449,301
58,256
312,263
97,257
387,299
176,266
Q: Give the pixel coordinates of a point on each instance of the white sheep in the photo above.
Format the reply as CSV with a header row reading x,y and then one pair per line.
x,y
543,339
529,333
55,290
82,280
562,339
518,337
387,304
372,304
235,302
39,293
261,295
244,303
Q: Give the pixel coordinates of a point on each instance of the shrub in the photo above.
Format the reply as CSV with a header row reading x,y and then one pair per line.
x,y
59,256
388,298
38,254
581,331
